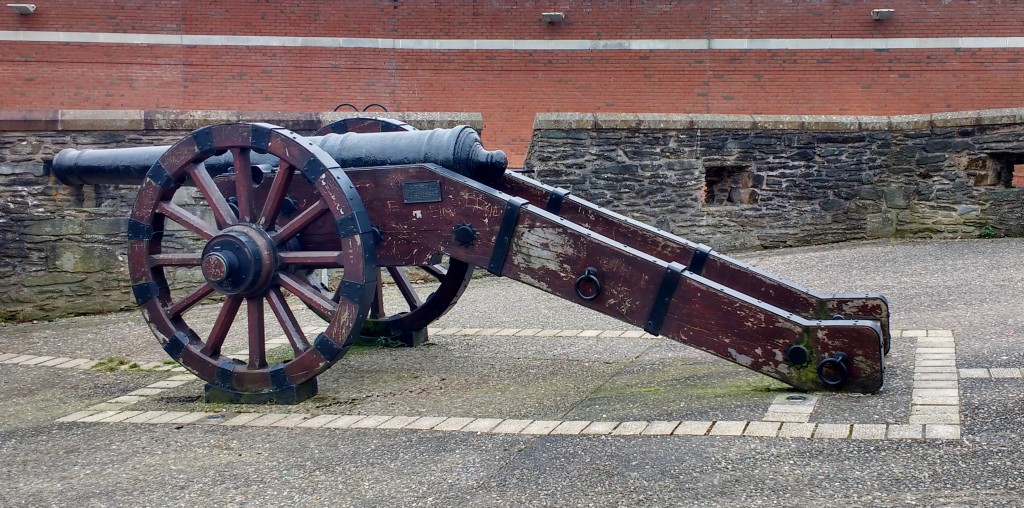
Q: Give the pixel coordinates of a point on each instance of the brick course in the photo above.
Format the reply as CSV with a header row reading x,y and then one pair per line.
x,y
509,87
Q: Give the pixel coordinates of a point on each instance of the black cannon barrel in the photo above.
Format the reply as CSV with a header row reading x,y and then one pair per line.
x,y
457,149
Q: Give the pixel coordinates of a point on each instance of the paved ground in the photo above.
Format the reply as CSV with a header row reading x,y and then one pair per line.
x,y
533,401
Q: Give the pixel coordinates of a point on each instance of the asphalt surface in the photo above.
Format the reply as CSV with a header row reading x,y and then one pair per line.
x,y
970,287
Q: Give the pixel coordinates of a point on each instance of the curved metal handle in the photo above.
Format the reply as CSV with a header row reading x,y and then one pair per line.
x,y
589,275
837,363
354,108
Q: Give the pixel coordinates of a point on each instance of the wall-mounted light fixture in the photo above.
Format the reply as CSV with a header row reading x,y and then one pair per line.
x,y
553,17
22,8
880,14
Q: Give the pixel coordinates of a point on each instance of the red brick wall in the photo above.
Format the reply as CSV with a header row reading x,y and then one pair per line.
x,y
509,87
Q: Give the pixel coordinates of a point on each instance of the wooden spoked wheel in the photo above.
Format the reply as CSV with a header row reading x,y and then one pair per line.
x,y
418,312
266,229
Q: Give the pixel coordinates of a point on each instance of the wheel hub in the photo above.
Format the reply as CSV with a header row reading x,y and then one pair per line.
x,y
241,260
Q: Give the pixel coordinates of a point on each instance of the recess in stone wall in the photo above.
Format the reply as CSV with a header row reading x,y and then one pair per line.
x,y
726,185
997,169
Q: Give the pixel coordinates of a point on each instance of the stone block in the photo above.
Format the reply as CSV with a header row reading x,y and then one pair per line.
x,y
998,373
75,258
692,428
912,431
241,419
318,421
120,417
896,197
868,431
28,120
481,425
832,431
397,422
183,120
955,119
940,431
630,428
874,123
600,428
453,424
541,427
74,417
564,121
104,226
660,428
266,420
727,428
664,121
617,121
192,417
830,123
911,122
511,426
937,418
762,429
723,121
1007,116
170,416
101,120
95,417
935,401
773,416
343,422
370,422
797,430
572,427
54,227
778,122
145,416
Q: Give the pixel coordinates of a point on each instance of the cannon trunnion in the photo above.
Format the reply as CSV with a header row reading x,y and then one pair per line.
x,y
281,208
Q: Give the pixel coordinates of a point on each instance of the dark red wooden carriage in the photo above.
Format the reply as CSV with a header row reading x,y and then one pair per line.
x,y
364,195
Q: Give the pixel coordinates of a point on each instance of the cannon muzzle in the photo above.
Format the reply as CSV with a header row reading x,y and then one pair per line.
x,y
458,149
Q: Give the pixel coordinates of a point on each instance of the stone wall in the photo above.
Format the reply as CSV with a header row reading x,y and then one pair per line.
x,y
742,181
63,248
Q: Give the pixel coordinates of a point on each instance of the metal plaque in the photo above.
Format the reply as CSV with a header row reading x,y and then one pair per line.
x,y
422,192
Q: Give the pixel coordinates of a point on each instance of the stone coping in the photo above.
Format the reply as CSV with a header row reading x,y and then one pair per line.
x,y
178,120
671,121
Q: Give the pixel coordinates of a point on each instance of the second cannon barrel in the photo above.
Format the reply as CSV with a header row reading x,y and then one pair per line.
x,y
458,149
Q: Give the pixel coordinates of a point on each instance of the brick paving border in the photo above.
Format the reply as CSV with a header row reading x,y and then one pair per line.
x,y
935,404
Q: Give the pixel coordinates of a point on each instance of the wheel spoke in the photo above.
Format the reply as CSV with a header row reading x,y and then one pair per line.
x,y
299,223
377,305
186,219
278,190
286,318
437,271
405,287
243,184
302,289
176,259
317,259
221,210
182,306
257,332
222,325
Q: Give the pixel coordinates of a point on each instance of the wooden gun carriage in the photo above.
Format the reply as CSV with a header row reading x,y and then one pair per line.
x,y
364,195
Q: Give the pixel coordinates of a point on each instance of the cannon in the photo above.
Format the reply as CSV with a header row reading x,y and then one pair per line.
x,y
364,195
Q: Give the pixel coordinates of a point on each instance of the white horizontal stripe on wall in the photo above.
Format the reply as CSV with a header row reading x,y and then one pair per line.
x,y
518,44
